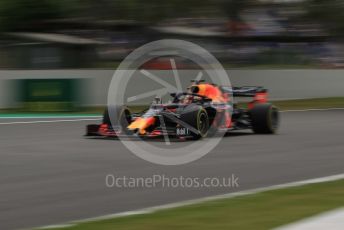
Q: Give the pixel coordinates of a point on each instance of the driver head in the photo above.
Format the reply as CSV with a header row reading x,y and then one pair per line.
x,y
194,89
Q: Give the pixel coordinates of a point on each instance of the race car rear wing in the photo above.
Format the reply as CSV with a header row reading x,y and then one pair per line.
x,y
244,91
258,93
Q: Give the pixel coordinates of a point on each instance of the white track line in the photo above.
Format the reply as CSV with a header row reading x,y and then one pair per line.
x,y
57,226
48,117
201,200
309,110
52,121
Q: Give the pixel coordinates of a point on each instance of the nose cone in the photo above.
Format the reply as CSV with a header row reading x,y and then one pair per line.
x,y
141,124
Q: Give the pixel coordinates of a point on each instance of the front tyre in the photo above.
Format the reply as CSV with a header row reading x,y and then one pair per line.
x,y
198,119
264,119
121,117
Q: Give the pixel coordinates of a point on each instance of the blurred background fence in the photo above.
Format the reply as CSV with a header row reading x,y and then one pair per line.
x,y
53,34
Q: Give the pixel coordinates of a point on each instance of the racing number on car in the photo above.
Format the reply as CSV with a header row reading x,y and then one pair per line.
x,y
183,132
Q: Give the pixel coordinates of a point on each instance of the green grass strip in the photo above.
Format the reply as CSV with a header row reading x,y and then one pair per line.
x,y
264,210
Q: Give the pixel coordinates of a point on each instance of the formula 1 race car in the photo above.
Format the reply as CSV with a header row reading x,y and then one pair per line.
x,y
204,110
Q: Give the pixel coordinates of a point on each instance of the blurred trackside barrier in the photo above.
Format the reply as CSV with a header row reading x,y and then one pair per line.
x,y
48,95
91,86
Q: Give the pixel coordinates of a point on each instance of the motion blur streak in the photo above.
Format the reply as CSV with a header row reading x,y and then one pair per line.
x,y
53,34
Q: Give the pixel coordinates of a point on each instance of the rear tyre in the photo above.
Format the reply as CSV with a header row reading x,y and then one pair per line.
x,y
265,119
198,119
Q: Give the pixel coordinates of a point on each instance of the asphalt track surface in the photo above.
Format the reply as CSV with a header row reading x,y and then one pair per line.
x,y
50,173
